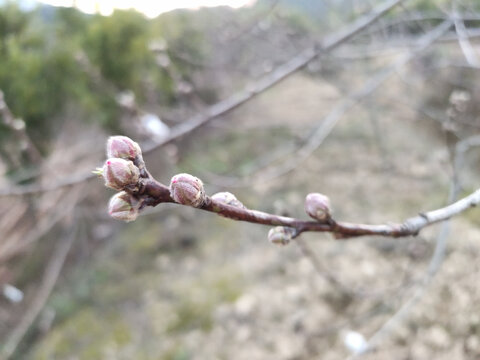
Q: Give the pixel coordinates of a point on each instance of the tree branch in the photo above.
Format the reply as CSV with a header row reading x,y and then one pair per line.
x,y
157,193
463,40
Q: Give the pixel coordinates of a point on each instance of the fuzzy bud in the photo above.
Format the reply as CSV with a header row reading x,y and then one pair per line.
x,y
280,235
123,206
228,199
317,206
118,173
188,190
122,147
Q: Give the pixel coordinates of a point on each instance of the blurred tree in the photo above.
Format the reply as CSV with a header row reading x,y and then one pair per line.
x,y
54,59
118,44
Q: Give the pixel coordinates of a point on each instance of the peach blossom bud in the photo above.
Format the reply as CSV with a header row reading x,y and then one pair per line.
x,y
122,147
186,189
123,206
119,173
280,235
317,206
227,198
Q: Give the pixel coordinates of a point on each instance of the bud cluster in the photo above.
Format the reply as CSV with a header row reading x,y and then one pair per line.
x,y
125,172
120,173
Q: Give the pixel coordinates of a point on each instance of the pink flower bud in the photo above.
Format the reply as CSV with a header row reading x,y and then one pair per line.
x,y
317,206
280,235
227,198
122,147
123,206
186,189
119,173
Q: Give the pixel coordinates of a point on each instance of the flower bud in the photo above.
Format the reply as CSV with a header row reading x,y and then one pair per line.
x,y
186,189
317,206
280,235
122,147
119,173
227,198
123,206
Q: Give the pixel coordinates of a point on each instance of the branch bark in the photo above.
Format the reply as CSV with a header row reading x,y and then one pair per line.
x,y
158,193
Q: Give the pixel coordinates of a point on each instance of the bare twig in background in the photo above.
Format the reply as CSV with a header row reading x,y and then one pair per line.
x,y
321,270
416,17
282,72
49,280
277,75
337,112
329,122
25,221
356,292
463,39
441,241
13,245
18,128
422,287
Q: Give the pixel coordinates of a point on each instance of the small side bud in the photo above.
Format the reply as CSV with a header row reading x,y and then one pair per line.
x,y
118,173
123,206
122,147
188,190
227,198
280,235
317,206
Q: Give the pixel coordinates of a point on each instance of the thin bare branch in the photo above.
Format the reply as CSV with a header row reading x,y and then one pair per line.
x,y
158,193
463,39
328,122
460,149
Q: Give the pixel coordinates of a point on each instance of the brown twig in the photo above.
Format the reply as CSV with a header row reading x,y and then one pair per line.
x,y
223,107
157,193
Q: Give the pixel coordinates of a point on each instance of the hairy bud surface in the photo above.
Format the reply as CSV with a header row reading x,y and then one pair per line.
x,y
280,235
188,190
123,206
118,173
317,206
228,198
122,147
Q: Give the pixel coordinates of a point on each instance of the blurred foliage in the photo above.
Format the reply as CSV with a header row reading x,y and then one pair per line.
x,y
54,58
